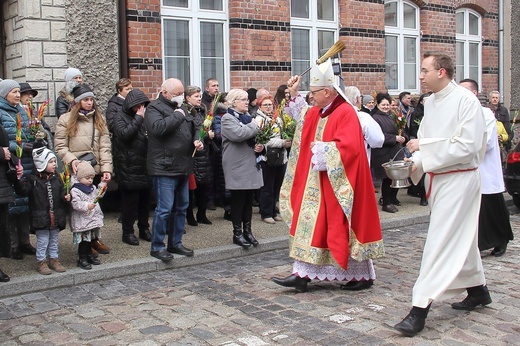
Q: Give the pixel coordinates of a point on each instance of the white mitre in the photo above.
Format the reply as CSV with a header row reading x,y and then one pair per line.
x,y
322,75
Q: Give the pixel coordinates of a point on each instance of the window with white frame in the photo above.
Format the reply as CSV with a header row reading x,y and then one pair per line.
x,y
402,34
314,29
469,45
194,41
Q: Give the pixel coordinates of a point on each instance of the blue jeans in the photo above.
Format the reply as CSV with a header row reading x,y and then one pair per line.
x,y
46,243
172,199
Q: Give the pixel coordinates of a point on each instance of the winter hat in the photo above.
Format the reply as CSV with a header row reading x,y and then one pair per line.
x,y
41,157
133,98
84,170
251,94
26,88
81,91
367,99
6,86
72,72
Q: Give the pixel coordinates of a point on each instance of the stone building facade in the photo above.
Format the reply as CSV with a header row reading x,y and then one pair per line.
x,y
133,38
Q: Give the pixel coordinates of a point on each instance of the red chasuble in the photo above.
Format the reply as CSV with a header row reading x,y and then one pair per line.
x,y
332,215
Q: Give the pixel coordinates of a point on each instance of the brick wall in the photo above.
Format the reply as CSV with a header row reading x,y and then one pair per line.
x,y
144,45
259,40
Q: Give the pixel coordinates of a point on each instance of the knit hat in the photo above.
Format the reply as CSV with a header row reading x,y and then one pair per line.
x,y
72,72
41,157
26,88
6,86
367,99
84,170
81,91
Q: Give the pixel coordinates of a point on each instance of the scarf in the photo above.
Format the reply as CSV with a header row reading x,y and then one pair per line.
x,y
84,188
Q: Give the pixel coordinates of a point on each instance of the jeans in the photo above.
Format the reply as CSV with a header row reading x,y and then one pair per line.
x,y
46,242
172,198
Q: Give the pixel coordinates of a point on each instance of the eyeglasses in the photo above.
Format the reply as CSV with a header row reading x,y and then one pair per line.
x,y
313,92
267,105
425,71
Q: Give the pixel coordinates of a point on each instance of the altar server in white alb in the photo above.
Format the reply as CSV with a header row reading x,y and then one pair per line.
x,y
494,226
450,146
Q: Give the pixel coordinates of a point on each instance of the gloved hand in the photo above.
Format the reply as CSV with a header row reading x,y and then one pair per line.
x,y
28,148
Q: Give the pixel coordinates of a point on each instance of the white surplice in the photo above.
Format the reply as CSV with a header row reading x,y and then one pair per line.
x,y
452,141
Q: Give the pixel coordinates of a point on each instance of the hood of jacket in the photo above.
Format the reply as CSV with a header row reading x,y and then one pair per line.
x,y
134,98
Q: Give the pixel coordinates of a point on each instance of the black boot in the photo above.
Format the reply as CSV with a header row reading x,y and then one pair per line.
x,y
478,295
499,250
4,277
248,234
202,218
190,218
300,284
84,249
227,215
238,237
414,322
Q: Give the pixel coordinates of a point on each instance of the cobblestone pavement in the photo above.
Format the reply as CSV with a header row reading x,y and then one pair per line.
x,y
233,302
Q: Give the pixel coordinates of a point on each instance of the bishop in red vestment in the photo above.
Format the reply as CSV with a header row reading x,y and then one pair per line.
x,y
327,197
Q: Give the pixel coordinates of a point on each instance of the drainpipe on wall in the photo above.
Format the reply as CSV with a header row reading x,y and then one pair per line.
x,y
501,49
123,39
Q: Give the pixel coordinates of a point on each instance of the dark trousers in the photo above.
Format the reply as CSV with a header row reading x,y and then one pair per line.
x,y
135,205
5,239
270,192
241,206
388,193
201,196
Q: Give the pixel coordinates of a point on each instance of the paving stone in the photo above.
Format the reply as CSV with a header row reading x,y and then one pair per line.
x,y
152,330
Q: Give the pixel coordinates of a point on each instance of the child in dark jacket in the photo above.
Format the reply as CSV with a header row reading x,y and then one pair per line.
x,y
48,208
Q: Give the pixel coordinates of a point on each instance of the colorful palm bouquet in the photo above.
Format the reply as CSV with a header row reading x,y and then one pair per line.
x,y
206,125
19,143
101,193
400,121
266,130
65,178
35,120
288,123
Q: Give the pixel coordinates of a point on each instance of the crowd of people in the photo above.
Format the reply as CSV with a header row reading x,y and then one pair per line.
x,y
297,158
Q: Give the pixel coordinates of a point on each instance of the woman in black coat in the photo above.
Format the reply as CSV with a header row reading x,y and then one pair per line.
x,y
130,147
6,197
415,120
202,167
392,144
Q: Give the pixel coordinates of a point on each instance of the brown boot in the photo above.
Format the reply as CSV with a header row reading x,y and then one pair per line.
x,y
100,247
55,265
43,268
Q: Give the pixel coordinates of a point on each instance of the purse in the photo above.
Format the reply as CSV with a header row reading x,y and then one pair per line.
x,y
89,157
274,156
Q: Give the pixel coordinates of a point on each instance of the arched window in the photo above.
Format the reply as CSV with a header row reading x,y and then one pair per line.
x,y
194,39
402,34
469,45
314,23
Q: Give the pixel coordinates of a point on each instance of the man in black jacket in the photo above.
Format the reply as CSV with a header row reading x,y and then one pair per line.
x,y
210,91
172,138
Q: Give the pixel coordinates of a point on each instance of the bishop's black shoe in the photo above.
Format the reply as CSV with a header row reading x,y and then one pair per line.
x,y
298,283
357,285
411,325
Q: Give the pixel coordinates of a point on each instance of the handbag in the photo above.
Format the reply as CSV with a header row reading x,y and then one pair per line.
x,y
90,157
274,156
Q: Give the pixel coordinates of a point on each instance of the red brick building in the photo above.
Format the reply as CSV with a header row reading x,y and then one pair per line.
x,y
260,43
